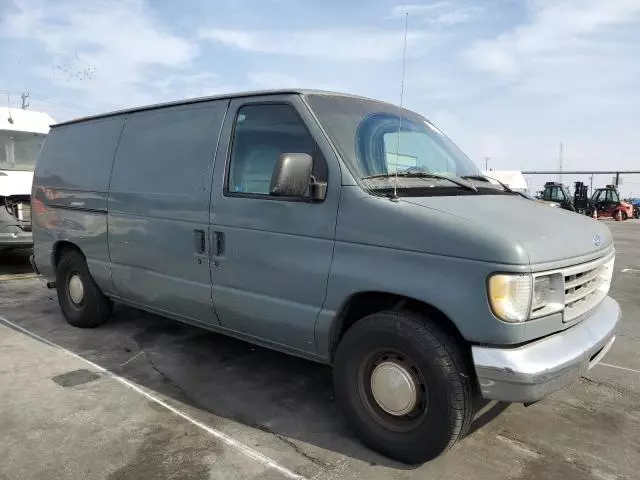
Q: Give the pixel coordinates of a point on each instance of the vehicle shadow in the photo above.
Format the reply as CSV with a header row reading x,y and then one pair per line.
x,y
14,262
286,396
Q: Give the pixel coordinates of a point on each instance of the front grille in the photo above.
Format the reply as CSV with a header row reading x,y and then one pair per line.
x,y
586,285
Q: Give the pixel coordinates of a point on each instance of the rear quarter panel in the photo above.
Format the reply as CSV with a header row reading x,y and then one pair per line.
x,y
69,195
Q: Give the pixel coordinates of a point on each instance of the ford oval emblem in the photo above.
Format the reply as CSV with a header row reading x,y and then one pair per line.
x,y
596,240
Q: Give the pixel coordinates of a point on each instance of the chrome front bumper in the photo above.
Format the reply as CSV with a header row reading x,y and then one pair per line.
x,y
531,372
16,238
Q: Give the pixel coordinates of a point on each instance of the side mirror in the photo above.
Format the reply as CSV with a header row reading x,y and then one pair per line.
x,y
291,175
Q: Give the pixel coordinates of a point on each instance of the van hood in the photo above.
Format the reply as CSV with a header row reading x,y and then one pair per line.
x,y
15,183
546,234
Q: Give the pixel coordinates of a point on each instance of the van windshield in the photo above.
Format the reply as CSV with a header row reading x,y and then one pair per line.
x,y
377,139
19,150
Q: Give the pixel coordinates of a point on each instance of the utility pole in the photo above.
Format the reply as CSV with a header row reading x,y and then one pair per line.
x,y
591,186
561,161
10,119
486,163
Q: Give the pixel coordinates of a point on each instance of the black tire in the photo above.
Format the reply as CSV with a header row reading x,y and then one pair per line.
x,y
445,408
624,216
95,308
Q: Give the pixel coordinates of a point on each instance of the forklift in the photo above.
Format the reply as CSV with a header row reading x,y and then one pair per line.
x,y
606,203
581,197
558,193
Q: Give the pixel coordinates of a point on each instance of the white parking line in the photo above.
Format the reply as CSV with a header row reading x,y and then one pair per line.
x,y
17,276
618,367
248,451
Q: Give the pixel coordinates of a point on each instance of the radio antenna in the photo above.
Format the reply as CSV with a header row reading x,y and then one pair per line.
x,y
404,62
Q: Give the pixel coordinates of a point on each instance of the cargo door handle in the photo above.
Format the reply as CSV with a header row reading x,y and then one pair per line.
x,y
218,243
199,241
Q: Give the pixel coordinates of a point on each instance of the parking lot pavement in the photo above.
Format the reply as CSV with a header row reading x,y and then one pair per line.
x,y
61,418
279,408
626,290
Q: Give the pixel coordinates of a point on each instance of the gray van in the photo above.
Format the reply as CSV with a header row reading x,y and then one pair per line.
x,y
337,228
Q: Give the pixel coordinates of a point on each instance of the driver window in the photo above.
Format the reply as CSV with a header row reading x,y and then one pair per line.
x,y
261,134
556,194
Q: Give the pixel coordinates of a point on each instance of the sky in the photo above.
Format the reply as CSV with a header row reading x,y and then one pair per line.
x,y
506,79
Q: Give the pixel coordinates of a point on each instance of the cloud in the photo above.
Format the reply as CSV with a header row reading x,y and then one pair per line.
x,y
353,44
268,80
493,145
556,30
103,49
445,13
271,80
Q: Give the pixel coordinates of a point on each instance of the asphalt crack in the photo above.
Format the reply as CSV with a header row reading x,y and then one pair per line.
x,y
616,387
316,461
290,443
166,378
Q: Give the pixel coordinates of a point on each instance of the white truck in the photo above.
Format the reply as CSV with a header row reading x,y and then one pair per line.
x,y
22,133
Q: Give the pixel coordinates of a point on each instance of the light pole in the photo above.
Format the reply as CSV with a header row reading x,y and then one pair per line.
x,y
486,163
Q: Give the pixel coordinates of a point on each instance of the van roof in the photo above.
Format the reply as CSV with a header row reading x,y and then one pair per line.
x,y
207,99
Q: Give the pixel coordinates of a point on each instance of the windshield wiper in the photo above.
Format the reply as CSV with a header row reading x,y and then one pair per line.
x,y
465,185
484,177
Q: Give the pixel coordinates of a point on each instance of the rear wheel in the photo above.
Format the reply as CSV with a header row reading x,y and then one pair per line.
x,y
624,216
403,385
81,301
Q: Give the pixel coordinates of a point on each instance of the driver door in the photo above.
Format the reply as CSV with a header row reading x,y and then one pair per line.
x,y
271,255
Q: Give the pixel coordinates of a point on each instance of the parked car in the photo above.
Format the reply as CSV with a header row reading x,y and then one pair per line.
x,y
22,133
635,203
335,228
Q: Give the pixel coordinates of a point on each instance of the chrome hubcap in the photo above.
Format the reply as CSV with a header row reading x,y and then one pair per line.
x,y
76,289
394,388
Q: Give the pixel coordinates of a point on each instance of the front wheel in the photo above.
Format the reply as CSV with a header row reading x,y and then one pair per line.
x,y
404,386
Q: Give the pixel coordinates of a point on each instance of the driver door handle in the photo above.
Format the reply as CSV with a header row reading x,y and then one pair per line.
x,y
218,243
199,242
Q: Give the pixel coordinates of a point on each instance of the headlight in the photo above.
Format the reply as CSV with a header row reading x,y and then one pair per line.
x,y
548,295
541,289
510,296
517,298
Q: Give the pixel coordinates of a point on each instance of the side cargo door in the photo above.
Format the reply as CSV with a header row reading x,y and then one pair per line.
x,y
271,255
159,208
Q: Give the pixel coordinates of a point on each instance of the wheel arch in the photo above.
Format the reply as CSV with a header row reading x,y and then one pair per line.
x,y
362,304
60,248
